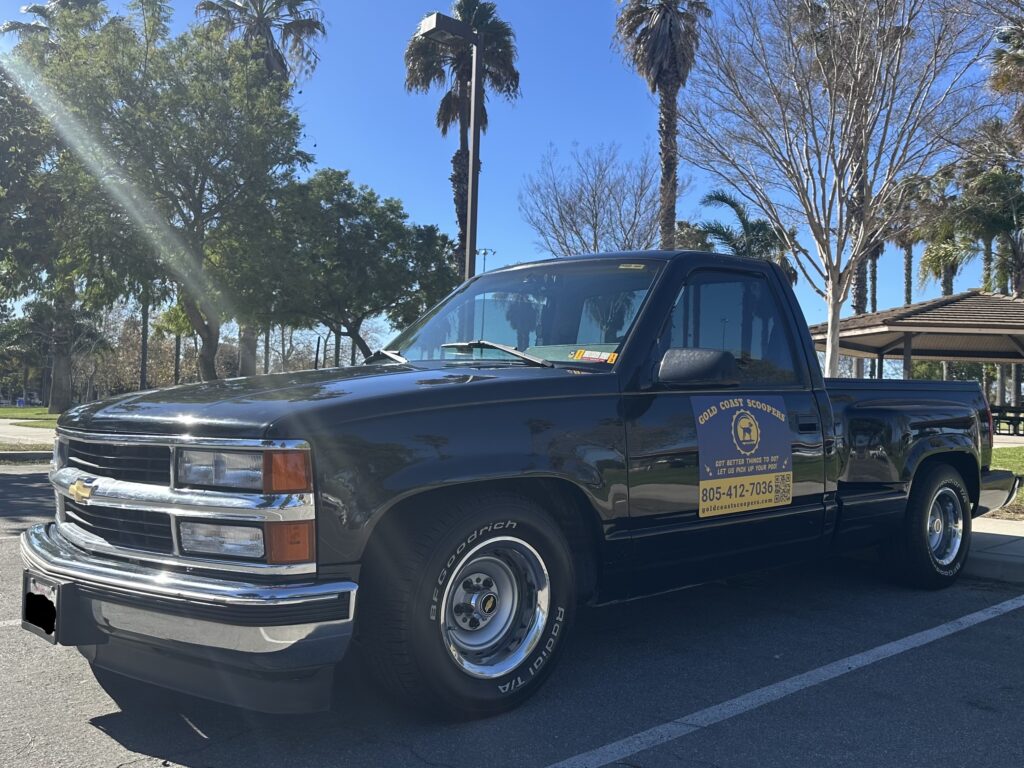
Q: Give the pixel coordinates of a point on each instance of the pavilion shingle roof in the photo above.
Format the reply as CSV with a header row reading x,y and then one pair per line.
x,y
971,309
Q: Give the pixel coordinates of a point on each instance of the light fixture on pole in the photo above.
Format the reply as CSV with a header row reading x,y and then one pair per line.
x,y
451,32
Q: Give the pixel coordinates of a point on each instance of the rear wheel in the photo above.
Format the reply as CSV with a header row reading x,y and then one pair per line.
x,y
465,607
932,547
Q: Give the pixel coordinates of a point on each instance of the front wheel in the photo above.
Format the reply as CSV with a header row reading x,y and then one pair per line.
x,y
932,547
466,605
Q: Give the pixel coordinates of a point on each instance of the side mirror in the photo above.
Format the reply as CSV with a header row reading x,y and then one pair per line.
x,y
698,368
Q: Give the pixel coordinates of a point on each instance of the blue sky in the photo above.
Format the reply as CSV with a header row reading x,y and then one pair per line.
x,y
575,88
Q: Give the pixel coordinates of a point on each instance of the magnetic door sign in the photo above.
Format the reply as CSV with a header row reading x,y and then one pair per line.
x,y
746,457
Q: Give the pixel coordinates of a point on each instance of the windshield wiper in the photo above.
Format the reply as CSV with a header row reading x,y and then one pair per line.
x,y
485,344
389,354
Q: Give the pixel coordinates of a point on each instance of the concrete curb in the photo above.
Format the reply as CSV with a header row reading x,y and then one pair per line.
x,y
25,456
997,550
992,569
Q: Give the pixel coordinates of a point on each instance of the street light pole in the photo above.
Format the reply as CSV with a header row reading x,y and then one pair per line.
x,y
452,32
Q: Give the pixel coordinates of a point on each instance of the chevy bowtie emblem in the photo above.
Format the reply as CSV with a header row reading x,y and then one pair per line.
x,y
80,490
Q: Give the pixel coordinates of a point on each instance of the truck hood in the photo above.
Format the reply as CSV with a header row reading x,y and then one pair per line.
x,y
290,404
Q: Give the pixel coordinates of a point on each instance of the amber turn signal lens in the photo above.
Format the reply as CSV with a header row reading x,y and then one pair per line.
x,y
291,542
286,472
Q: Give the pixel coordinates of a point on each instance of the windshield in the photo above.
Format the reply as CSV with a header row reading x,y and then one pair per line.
x,y
577,312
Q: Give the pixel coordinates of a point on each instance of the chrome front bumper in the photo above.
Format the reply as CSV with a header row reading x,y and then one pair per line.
x,y
213,637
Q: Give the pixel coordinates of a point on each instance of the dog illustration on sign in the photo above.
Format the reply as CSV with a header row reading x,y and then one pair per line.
x,y
746,434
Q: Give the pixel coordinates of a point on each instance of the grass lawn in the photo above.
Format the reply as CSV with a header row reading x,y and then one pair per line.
x,y
1013,459
24,447
48,423
30,417
24,414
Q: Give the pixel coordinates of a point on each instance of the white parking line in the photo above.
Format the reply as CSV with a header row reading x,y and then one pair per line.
x,y
11,623
662,734
10,538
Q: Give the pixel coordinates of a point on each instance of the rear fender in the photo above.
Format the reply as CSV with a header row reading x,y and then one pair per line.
x,y
957,450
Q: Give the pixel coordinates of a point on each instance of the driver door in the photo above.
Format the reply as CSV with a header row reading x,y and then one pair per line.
x,y
725,478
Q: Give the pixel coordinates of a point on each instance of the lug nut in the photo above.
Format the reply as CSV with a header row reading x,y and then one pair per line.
x,y
488,583
474,623
467,584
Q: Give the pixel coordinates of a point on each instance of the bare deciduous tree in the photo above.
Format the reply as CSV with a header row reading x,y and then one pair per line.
x,y
816,114
594,202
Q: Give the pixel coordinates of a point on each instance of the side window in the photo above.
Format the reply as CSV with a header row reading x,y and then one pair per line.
x,y
739,314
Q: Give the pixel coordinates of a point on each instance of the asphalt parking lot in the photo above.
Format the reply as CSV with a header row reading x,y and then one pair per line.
x,y
743,673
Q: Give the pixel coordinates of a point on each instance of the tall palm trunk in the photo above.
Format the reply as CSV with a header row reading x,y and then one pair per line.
x,y
873,279
908,274
947,290
460,166
668,113
859,293
986,265
947,280
266,350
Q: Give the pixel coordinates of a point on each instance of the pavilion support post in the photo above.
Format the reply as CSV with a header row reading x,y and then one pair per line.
x,y
1015,394
908,358
879,367
1001,384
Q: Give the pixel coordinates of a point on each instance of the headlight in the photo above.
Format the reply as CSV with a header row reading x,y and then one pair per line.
x,y
224,540
216,469
263,471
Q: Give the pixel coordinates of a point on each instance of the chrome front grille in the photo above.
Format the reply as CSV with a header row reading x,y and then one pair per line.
x,y
115,497
131,528
134,463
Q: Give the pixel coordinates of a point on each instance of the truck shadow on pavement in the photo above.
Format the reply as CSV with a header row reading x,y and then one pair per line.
x,y
629,665
24,499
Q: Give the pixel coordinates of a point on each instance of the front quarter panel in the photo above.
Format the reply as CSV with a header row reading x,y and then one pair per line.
x,y
571,431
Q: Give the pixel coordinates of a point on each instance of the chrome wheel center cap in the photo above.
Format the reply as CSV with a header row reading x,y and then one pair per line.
x,y
486,604
937,525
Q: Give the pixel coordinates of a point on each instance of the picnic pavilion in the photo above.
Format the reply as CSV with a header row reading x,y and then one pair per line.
x,y
973,326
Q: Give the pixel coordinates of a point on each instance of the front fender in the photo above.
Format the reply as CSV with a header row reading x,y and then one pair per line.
x,y
367,467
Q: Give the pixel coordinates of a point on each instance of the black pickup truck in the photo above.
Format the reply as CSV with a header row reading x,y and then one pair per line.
x,y
580,430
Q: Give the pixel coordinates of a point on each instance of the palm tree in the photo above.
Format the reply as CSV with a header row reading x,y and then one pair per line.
x,y
1008,58
45,15
659,39
429,64
876,254
752,238
989,202
943,258
905,239
905,222
285,29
